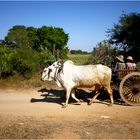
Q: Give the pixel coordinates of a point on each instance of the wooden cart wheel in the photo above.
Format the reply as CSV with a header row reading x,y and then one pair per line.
x,y
130,88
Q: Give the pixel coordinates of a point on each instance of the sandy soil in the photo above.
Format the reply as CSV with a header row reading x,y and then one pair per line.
x,y
38,114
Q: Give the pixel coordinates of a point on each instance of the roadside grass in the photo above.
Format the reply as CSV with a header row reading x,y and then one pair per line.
x,y
18,82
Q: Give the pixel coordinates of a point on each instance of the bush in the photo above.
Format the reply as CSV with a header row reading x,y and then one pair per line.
x,y
25,62
5,64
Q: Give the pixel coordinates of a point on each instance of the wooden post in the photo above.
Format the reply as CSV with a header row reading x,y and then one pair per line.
x,y
54,49
57,54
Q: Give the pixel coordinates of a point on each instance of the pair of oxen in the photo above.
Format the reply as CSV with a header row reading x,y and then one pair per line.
x,y
71,76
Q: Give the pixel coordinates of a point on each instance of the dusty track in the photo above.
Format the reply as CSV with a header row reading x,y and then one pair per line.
x,y
32,114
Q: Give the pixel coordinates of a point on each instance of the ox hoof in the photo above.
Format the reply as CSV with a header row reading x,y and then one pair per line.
x,y
81,100
64,106
110,105
89,103
77,103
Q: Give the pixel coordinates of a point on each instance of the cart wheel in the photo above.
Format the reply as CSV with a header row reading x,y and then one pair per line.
x,y
130,88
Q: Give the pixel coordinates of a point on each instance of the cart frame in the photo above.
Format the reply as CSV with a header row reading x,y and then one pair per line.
x,y
128,85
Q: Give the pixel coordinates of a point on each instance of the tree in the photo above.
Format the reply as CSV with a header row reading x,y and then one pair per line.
x,y
103,53
26,50
18,36
51,39
126,34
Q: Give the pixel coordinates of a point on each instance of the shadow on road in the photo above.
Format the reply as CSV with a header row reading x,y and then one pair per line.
x,y
50,96
58,96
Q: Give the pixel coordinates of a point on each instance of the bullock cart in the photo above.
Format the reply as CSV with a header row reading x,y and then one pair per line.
x,y
128,85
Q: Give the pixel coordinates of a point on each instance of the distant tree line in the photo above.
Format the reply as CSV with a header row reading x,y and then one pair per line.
x,y
78,52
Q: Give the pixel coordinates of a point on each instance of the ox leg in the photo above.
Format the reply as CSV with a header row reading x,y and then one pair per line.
x,y
73,96
97,87
109,91
93,99
67,98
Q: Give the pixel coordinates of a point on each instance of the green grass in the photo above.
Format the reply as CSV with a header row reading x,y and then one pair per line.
x,y
79,59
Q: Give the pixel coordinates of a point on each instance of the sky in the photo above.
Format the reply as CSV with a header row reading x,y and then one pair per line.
x,y
86,22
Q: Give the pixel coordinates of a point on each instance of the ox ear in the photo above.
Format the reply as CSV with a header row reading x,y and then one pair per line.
x,y
59,64
61,61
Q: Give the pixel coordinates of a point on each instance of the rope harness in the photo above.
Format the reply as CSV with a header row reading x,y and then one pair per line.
x,y
58,70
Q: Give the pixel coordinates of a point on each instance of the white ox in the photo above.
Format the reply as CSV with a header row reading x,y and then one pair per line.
x,y
70,77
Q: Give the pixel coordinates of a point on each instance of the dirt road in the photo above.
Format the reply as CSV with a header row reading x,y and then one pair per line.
x,y
33,114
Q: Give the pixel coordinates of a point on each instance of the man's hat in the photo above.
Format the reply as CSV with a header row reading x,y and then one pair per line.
x,y
130,58
120,58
